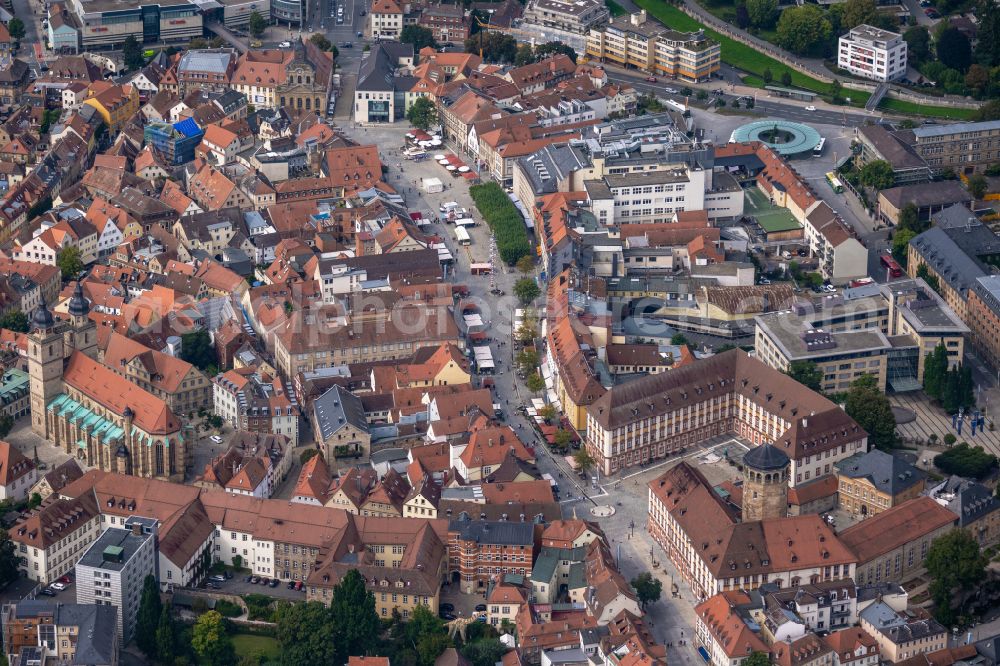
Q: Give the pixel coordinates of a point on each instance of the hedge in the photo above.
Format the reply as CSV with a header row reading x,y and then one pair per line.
x,y
504,219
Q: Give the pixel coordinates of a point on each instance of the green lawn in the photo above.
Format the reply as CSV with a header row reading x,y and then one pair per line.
x,y
902,106
615,9
248,644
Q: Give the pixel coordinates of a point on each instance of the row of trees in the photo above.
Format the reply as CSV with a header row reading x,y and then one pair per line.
x,y
951,387
504,219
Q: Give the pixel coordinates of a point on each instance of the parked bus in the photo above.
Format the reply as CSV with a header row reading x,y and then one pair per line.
x,y
462,236
834,182
891,266
465,222
818,149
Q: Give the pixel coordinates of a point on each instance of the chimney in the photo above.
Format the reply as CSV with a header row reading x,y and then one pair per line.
x,y
137,529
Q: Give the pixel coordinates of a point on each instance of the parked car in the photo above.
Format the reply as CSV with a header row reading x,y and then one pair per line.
x,y
651,79
298,585
213,585
291,585
59,587
274,582
447,607
765,281
265,581
216,439
249,579
66,579
810,108
284,45
445,615
254,580
218,578
46,592
481,608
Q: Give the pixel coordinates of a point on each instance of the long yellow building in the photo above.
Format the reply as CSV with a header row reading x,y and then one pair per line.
x,y
633,41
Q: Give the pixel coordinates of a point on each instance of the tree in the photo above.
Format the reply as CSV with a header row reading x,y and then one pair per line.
x,y
803,29
70,262
320,40
877,174
132,53
953,49
835,89
355,623
548,413
306,633
210,641
526,264
786,78
768,76
806,373
935,371
989,111
197,349
680,340
762,12
856,12
423,113
165,636
909,219
16,28
918,43
427,633
977,185
484,652
34,501
742,17
932,281
237,562
308,455
496,46
988,34
561,439
757,659
525,55
965,460
14,320
647,588
527,360
977,78
584,461
870,407
526,290
8,559
417,35
6,425
955,564
535,383
526,333
900,245
555,48
148,616
257,24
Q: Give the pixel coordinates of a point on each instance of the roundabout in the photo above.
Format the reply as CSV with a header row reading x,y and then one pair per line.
x,y
786,138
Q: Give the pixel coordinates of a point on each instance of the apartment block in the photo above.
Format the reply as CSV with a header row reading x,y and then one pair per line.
x,y
963,147
872,53
635,41
51,539
112,571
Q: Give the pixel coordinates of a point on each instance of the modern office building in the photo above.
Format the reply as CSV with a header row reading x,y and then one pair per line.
x,y
107,23
112,571
564,20
635,41
872,53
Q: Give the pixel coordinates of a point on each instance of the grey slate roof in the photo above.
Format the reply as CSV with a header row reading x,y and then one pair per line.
x,y
954,252
886,472
501,533
336,408
926,131
377,70
972,501
98,626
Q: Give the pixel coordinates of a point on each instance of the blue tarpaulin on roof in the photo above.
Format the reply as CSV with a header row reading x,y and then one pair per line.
x,y
187,127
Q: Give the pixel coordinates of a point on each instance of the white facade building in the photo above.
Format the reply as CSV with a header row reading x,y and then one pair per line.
x,y
872,53
113,569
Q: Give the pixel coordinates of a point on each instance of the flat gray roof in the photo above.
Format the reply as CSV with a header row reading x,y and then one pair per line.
x,y
114,538
786,331
928,131
216,62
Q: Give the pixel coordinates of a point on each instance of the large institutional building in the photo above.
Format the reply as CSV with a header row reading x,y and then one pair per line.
x,y
88,410
656,416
